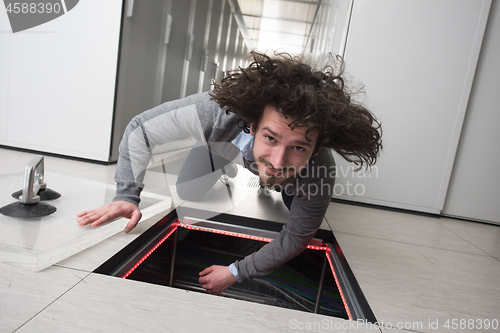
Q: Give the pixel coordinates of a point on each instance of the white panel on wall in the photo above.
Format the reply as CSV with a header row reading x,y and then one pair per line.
x,y
5,41
474,191
61,84
336,15
417,60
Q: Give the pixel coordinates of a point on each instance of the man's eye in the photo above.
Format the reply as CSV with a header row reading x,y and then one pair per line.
x,y
299,148
270,138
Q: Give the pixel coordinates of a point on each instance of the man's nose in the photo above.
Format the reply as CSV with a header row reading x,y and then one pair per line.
x,y
278,158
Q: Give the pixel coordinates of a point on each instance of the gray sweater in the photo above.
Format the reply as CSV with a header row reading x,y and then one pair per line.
x,y
199,117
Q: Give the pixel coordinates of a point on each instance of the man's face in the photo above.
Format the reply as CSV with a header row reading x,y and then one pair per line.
x,y
279,151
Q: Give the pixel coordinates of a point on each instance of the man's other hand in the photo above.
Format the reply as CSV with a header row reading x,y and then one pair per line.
x,y
111,211
215,279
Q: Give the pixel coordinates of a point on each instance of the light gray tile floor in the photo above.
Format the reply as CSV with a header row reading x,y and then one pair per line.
x,y
416,272
24,294
130,306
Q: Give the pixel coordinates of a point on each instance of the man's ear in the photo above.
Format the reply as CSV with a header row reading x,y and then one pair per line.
x,y
316,151
252,129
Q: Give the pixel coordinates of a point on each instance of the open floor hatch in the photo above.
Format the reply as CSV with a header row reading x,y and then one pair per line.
x,y
176,249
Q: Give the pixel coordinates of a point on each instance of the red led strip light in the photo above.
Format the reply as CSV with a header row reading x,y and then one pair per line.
x,y
175,224
234,234
215,231
227,233
337,283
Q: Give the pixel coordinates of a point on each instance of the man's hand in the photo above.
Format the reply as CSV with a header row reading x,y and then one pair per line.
x,y
112,211
215,279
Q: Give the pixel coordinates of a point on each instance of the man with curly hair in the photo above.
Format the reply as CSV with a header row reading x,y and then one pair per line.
x,y
285,117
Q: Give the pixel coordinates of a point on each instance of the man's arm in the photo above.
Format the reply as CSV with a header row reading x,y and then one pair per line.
x,y
291,241
312,196
172,121
306,215
303,222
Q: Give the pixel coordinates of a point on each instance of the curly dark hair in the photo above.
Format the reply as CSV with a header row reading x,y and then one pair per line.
x,y
315,99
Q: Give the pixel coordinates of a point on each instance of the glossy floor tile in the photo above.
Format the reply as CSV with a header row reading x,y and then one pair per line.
x,y
131,306
410,283
395,226
414,279
484,236
23,294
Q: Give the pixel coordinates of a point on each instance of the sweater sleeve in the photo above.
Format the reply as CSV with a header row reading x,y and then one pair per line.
x,y
306,215
172,121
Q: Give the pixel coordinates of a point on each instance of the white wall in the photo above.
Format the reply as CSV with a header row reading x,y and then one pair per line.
x,y
417,61
57,81
474,191
419,152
